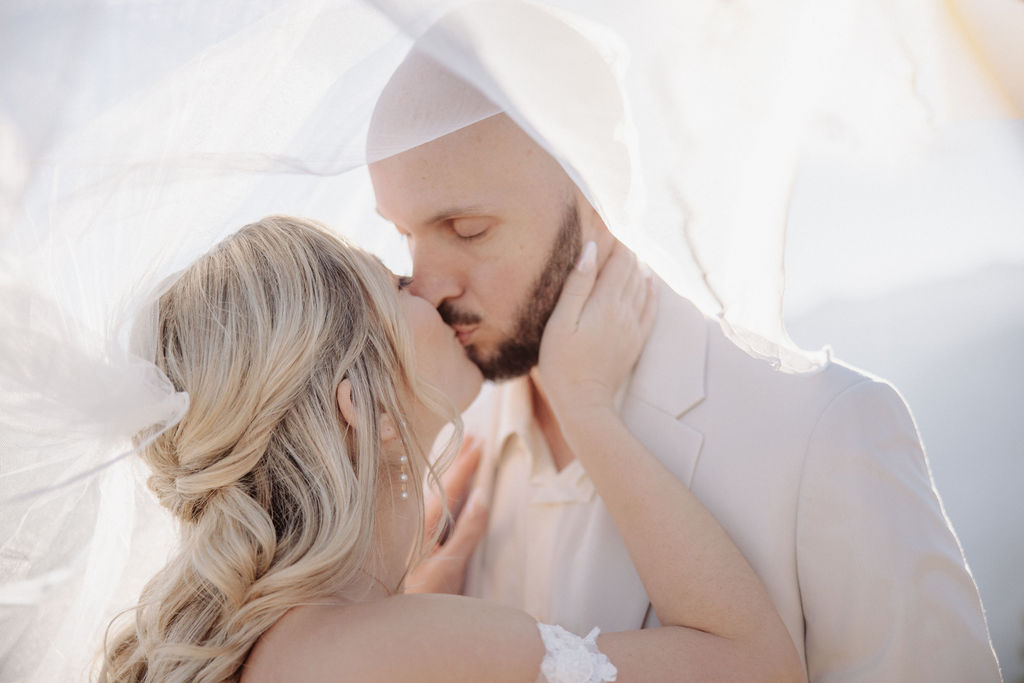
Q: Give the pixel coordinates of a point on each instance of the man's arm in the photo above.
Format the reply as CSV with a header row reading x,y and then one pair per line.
x,y
885,589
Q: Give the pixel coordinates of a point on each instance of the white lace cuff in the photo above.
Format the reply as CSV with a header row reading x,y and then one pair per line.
x,y
571,659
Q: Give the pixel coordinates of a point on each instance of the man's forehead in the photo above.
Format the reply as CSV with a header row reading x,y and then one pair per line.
x,y
471,173
478,143
467,164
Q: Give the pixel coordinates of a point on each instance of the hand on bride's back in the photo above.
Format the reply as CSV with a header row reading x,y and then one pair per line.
x,y
596,332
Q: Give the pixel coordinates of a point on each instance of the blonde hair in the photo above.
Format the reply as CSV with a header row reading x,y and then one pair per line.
x,y
275,494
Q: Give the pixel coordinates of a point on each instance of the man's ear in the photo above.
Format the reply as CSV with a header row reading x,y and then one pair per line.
x,y
387,429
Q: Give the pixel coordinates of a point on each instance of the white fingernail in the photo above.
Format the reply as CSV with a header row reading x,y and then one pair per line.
x,y
588,258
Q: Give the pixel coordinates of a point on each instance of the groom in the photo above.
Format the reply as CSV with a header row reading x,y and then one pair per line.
x,y
820,479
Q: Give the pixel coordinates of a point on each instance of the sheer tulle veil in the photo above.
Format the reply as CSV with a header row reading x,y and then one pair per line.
x,y
135,135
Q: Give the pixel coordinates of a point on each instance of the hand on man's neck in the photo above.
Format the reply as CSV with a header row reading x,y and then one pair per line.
x,y
561,454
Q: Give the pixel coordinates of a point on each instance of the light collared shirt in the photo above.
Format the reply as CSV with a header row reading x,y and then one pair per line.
x,y
538,518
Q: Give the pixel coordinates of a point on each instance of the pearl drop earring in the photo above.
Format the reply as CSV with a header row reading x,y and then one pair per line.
x,y
404,477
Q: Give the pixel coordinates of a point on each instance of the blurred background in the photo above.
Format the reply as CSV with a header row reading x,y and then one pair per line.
x,y
914,271
891,269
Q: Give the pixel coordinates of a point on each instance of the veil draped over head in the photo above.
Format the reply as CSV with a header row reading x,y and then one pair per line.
x,y
135,135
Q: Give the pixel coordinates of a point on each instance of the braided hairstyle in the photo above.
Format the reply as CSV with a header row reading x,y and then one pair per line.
x,y
275,495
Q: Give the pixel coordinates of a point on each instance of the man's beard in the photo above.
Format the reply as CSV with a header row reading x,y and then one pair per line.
x,y
518,354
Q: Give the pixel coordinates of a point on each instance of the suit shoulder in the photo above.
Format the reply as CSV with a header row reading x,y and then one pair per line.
x,y
858,391
816,377
737,365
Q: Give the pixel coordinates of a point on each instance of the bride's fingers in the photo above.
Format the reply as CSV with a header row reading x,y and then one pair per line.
x,y
634,290
469,529
577,289
641,290
456,481
458,478
650,309
614,274
634,282
443,570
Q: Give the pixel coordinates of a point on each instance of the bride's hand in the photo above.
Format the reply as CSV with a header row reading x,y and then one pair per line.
x,y
443,570
596,332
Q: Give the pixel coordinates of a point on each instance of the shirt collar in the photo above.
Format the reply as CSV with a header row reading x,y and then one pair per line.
x,y
516,415
516,420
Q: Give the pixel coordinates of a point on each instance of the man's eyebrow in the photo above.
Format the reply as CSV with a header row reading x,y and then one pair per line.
x,y
446,214
455,212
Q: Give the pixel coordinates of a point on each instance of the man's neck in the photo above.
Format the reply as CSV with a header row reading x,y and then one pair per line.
x,y
561,454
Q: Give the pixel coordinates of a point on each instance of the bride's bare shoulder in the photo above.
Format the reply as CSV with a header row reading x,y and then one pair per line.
x,y
403,638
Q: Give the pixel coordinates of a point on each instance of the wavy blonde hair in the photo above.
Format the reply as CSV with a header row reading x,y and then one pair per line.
x,y
275,494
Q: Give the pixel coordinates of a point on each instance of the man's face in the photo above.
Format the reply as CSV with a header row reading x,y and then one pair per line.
x,y
493,228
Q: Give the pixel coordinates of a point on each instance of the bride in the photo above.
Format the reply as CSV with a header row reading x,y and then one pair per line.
x,y
317,385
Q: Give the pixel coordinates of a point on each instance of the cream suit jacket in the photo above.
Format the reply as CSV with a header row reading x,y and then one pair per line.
x,y
821,481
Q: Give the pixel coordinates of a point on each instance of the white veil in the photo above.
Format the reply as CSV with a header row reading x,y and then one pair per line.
x,y
135,135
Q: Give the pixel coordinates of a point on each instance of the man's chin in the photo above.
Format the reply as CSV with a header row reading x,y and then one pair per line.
x,y
510,361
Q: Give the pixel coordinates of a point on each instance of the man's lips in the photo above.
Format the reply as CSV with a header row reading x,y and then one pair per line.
x,y
464,332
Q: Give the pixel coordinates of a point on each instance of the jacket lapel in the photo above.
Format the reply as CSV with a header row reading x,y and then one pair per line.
x,y
667,382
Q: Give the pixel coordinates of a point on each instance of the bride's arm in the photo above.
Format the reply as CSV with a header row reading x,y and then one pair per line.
x,y
696,578
718,622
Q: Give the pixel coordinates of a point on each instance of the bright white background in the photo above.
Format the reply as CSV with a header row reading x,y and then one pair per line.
x,y
916,274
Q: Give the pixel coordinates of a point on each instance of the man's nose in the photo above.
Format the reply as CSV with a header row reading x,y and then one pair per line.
x,y
434,275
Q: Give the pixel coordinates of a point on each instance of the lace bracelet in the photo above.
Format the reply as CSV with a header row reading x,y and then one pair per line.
x,y
571,659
